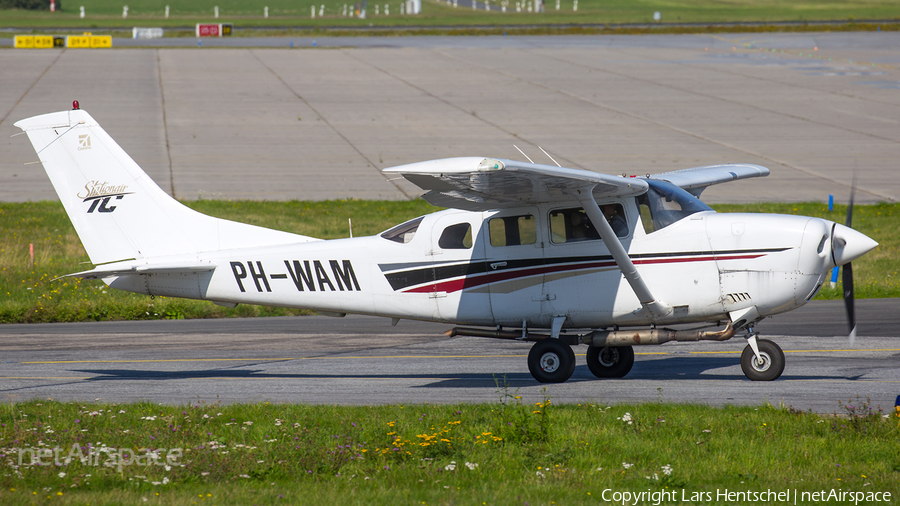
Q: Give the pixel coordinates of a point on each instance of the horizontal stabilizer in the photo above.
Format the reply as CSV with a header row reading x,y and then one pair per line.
x,y
126,268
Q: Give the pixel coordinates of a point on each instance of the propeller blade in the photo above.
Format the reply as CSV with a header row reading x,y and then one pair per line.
x,y
847,279
850,205
847,272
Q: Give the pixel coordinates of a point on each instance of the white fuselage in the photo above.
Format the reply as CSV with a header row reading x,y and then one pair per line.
x,y
705,266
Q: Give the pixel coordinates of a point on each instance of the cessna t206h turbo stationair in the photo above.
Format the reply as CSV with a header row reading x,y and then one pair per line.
x,y
533,252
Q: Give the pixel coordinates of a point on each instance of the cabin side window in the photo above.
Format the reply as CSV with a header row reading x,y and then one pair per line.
x,y
457,236
574,225
512,230
404,232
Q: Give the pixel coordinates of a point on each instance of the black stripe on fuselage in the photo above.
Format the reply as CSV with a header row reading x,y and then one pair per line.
x,y
404,279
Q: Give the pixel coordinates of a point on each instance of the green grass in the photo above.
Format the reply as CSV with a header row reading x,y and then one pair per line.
x,y
30,294
508,452
108,13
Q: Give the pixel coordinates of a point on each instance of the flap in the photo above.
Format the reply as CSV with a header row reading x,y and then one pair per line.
x,y
483,184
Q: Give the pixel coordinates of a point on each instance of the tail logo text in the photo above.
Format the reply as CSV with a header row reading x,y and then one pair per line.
x,y
99,194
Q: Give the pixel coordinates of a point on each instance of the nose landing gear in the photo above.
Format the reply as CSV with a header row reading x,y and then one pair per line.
x,y
762,360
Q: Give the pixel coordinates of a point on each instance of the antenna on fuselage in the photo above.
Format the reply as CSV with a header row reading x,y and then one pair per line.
x,y
349,217
523,154
550,157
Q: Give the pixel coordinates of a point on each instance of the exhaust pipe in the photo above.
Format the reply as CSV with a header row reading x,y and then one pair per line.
x,y
605,338
495,334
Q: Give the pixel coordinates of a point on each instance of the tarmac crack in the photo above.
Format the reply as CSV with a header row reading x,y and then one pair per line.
x,y
162,97
16,104
661,124
330,125
570,163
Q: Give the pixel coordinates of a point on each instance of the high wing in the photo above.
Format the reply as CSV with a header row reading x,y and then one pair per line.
x,y
697,179
482,184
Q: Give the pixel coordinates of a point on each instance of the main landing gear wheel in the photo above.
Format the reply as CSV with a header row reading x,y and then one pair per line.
x,y
771,366
610,361
551,361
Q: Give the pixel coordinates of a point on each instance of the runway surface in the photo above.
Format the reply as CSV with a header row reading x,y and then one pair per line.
x,y
253,119
363,360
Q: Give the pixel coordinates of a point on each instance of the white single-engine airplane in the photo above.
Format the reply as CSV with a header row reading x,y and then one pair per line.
x,y
553,255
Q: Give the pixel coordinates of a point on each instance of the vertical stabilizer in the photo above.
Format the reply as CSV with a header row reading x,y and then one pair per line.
x,y
117,210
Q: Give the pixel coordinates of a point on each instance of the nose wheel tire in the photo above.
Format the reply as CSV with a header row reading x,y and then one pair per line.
x,y
551,361
610,361
769,368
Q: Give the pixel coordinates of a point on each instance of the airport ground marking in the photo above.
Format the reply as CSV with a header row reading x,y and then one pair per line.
x,y
287,359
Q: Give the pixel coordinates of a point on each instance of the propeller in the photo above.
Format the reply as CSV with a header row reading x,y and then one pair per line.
x,y
847,279
847,275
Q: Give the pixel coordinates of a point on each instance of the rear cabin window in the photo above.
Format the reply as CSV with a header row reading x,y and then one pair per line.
x,y
404,232
512,230
574,225
457,236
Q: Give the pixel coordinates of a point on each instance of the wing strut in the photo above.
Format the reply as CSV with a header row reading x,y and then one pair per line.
x,y
655,307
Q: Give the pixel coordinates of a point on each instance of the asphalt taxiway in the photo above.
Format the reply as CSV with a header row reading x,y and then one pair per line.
x,y
251,118
255,122
364,360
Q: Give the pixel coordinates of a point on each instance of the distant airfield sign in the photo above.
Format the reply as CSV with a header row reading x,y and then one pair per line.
x,y
214,29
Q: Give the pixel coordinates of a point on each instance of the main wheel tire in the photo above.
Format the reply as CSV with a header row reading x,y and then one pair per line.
x,y
551,361
610,361
772,361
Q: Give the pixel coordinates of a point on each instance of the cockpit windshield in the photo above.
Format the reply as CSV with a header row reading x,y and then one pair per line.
x,y
664,204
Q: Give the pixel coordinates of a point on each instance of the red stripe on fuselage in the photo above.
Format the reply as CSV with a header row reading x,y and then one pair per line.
x,y
462,283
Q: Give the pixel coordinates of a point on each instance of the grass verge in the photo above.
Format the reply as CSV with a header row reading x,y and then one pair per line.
x,y
107,14
30,294
508,452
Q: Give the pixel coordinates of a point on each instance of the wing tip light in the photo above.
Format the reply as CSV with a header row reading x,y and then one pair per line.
x,y
489,164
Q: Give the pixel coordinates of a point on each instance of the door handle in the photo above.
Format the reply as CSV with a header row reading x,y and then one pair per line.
x,y
498,264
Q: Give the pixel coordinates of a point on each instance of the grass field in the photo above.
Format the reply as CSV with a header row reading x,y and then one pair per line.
x,y
289,13
503,453
32,295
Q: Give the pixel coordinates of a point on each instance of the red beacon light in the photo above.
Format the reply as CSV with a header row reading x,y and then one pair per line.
x,y
75,105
